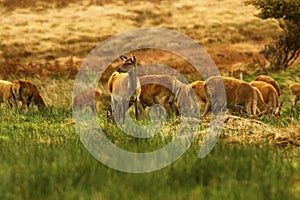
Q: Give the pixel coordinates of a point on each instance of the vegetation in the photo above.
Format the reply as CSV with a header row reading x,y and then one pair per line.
x,y
285,48
42,157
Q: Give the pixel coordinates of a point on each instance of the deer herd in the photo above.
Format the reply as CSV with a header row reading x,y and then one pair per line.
x,y
259,97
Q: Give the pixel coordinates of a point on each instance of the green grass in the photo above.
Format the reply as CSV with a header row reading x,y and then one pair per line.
x,y
42,158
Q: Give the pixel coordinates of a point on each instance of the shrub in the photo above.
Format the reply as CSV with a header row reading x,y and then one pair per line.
x,y
285,48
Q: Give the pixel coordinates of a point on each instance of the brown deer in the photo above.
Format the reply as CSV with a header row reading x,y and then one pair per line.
x,y
295,90
6,94
166,91
159,89
261,105
87,98
239,95
123,85
269,80
198,87
28,94
270,97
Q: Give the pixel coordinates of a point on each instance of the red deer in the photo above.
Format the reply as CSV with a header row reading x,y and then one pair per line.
x,y
295,90
269,80
198,87
187,102
123,85
87,98
6,94
28,94
159,89
269,95
239,95
261,105
166,91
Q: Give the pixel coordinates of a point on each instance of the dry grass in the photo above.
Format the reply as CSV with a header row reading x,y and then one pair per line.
x,y
253,131
227,29
244,131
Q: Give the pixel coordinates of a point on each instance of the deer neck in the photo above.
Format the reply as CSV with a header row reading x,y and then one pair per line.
x,y
132,78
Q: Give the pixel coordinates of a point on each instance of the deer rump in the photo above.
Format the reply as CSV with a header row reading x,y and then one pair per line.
x,y
269,94
240,96
28,94
268,79
6,94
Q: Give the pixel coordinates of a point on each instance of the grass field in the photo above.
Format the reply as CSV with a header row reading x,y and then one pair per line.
x,y
42,158
41,155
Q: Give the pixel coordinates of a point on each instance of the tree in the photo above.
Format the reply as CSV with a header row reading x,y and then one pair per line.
x,y
285,48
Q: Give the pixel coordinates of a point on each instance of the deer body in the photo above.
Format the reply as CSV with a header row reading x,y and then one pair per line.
x,y
269,80
261,105
124,87
6,94
166,91
87,98
159,89
295,90
198,87
28,94
239,94
270,96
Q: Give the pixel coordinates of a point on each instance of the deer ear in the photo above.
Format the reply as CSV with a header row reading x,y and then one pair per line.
x,y
122,57
133,59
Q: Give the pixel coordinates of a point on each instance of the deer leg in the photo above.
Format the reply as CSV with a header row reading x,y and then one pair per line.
x,y
114,109
8,103
176,109
109,112
241,109
136,112
30,103
141,110
207,108
24,104
297,98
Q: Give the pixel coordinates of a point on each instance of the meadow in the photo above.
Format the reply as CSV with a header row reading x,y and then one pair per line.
x,y
42,157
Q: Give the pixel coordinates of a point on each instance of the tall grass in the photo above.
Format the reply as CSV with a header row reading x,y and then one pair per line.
x,y
42,158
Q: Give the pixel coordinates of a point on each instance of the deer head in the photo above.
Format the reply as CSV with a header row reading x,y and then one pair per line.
x,y
128,63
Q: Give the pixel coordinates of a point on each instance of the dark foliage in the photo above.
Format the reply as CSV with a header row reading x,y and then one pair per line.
x,y
285,48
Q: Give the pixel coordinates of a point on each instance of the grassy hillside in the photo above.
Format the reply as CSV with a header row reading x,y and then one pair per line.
x,y
41,32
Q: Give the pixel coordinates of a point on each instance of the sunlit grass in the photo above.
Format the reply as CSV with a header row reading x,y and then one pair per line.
x,y
65,170
42,158
41,154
